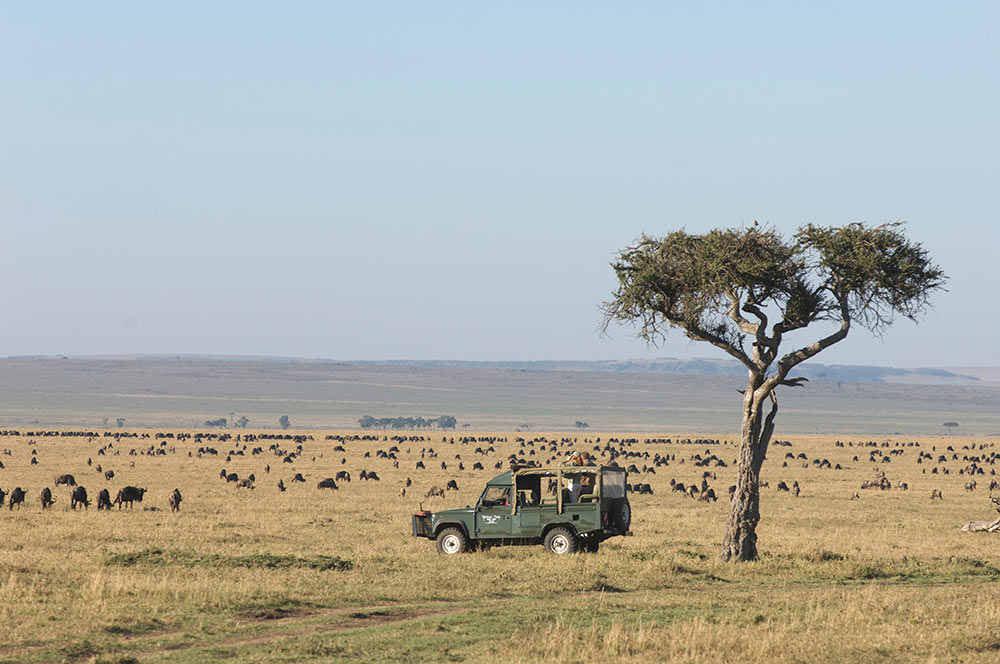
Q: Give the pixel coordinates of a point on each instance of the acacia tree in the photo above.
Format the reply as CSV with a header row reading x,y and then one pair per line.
x,y
744,290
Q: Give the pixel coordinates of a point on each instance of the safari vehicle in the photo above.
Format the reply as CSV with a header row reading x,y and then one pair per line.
x,y
516,507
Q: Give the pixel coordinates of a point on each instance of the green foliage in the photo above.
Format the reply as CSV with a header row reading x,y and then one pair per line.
x,y
219,423
442,422
284,422
242,422
725,285
120,422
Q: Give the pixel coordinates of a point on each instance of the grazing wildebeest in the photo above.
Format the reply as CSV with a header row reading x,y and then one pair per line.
x,y
245,483
223,474
281,485
477,466
66,479
344,476
128,495
109,474
2,496
783,487
78,497
232,477
45,496
970,486
451,486
434,491
328,483
298,478
936,493
373,476
16,498
175,500
677,486
104,500
707,495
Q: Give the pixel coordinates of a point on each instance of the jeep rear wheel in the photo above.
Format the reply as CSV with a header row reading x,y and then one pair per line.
x,y
621,514
451,541
561,541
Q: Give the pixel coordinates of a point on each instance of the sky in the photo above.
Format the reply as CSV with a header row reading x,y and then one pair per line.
x,y
451,180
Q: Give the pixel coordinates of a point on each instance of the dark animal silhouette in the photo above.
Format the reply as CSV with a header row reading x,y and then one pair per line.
x,y
16,498
175,500
434,491
128,495
328,483
65,479
104,500
451,486
109,474
78,497
298,478
281,485
45,496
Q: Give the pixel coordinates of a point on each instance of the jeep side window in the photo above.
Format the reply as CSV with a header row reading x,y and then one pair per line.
x,y
495,495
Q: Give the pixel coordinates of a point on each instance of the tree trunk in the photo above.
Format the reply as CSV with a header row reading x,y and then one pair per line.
x,y
740,541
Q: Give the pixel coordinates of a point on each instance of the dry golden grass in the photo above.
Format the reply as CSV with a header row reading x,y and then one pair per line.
x,y
315,575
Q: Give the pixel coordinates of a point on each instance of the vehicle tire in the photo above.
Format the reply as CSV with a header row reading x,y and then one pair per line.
x,y
561,541
621,514
451,541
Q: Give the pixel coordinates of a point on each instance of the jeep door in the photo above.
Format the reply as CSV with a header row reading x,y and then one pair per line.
x,y
493,513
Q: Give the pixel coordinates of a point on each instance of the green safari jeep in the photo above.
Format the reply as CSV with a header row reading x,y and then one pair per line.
x,y
588,507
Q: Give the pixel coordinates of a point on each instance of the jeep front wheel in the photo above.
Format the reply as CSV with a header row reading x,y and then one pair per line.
x,y
560,541
451,541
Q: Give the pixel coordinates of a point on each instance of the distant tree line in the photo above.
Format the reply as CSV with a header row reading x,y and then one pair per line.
x,y
443,422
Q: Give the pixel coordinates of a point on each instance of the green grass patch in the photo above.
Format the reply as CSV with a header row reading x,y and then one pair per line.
x,y
156,557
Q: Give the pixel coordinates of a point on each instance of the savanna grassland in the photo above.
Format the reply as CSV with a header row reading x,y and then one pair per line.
x,y
320,575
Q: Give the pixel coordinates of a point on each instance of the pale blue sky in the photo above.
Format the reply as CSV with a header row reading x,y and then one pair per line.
x,y
450,180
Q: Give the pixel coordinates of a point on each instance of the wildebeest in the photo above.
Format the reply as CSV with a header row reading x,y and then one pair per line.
x,y
935,493
783,487
128,495
65,479
104,500
344,476
78,497
109,474
281,485
45,497
434,491
245,483
232,477
707,495
175,500
328,483
298,478
451,486
2,496
223,474
16,498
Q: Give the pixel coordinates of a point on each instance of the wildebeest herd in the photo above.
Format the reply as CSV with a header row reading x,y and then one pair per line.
x,y
486,456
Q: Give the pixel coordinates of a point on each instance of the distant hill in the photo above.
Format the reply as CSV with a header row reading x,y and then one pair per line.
x,y
710,367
